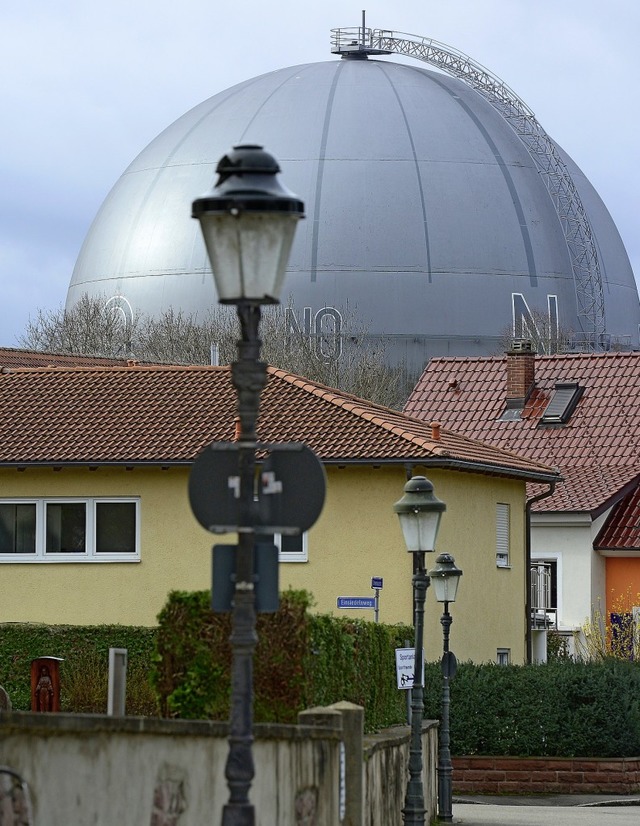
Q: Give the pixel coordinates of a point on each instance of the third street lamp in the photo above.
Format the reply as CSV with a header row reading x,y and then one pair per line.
x,y
445,578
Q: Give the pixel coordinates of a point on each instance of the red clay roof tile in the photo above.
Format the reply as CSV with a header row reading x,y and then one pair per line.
x,y
597,450
622,531
165,414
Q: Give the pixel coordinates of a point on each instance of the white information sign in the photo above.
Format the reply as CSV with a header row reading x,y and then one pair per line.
x,y
405,667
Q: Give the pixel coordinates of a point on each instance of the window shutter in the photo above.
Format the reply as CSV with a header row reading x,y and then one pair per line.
x,y
502,534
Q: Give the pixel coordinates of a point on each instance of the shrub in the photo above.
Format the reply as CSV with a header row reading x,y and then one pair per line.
x,y
301,660
561,709
85,666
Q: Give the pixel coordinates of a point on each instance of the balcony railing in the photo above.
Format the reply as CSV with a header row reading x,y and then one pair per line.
x,y
544,614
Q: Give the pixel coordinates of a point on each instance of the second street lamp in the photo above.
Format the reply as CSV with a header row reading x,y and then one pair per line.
x,y
248,222
419,512
445,578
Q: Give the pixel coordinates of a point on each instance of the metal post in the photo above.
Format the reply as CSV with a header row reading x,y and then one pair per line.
x,y
117,686
413,813
445,768
249,376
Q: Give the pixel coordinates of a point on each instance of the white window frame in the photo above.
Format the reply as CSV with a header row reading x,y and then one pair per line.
x,y
553,557
90,554
290,556
503,535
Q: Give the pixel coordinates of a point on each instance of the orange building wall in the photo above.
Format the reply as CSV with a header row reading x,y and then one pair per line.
x,y
623,583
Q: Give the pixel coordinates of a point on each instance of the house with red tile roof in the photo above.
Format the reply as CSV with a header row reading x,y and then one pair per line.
x,y
96,526
578,413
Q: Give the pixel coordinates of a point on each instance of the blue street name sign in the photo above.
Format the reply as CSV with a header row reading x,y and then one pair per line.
x,y
356,602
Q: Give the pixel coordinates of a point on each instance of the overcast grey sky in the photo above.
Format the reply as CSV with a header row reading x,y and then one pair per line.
x,y
86,86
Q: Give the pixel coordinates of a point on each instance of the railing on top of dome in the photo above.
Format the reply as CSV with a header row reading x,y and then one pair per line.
x,y
564,195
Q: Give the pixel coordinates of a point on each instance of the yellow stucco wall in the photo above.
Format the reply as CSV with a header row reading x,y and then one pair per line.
x,y
358,536
174,552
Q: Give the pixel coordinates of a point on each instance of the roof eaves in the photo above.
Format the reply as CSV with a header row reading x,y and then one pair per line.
x,y
159,462
493,470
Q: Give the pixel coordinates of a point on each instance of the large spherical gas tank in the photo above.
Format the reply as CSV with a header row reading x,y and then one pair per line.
x,y
427,221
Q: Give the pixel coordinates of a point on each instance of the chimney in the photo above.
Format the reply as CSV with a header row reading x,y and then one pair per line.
x,y
435,431
521,377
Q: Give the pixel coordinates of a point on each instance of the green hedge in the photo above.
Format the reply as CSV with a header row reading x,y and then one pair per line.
x,y
562,709
84,671
302,660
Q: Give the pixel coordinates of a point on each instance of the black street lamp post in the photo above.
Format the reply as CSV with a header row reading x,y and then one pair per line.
x,y
248,222
445,578
419,512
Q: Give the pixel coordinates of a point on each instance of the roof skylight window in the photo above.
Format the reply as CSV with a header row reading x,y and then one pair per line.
x,y
562,403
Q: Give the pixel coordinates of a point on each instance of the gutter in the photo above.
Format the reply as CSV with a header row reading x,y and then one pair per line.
x,y
550,478
444,463
527,602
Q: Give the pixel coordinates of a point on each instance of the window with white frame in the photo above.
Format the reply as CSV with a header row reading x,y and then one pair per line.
x,y
503,530
70,530
290,548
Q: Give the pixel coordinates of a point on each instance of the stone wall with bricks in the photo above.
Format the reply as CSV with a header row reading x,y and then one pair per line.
x,y
537,775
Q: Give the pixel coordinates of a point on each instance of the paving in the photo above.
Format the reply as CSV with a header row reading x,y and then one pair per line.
x,y
558,810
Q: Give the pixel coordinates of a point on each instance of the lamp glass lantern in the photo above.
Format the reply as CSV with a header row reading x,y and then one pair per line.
x,y
248,222
419,512
445,578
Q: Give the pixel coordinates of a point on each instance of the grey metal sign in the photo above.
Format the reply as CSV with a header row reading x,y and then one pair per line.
x,y
265,562
289,491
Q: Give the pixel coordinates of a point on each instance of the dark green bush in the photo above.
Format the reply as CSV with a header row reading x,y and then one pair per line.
x,y
354,660
561,709
301,660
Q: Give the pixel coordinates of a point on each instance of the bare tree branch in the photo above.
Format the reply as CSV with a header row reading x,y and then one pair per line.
x,y
355,363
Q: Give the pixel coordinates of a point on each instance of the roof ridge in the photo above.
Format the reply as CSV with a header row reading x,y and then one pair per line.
x,y
369,411
113,368
392,420
547,356
324,390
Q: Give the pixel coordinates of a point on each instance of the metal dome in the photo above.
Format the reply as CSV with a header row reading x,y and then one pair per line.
x,y
426,216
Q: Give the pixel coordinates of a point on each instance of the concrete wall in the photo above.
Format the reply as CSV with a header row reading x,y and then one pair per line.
x,y
82,769
386,761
